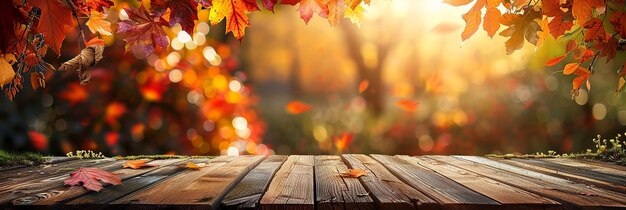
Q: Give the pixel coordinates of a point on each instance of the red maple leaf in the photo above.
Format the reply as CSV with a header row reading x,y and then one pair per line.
x,y
89,178
182,12
142,32
54,17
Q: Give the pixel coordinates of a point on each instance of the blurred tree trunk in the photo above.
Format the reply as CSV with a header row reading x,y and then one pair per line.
x,y
294,74
374,95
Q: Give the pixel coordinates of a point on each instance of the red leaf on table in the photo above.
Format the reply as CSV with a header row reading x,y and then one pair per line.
x,y
55,16
90,177
142,32
136,164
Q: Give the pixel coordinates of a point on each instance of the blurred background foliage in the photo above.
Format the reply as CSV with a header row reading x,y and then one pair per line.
x,y
212,94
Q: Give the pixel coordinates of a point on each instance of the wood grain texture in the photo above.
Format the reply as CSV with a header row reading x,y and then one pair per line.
x,y
507,195
293,185
62,194
572,166
334,191
47,161
570,173
248,191
32,180
575,195
445,191
112,193
194,189
388,191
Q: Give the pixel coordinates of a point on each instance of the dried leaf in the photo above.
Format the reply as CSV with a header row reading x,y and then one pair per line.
x,y
87,58
135,164
354,173
90,177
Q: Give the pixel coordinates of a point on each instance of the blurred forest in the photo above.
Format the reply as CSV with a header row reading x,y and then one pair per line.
x,y
212,94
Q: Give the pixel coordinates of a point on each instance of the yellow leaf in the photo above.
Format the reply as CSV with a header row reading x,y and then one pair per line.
x,y
570,68
135,164
354,173
194,166
6,70
219,10
356,15
96,23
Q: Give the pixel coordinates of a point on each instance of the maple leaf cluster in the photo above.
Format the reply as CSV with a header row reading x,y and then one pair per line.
x,y
593,29
32,27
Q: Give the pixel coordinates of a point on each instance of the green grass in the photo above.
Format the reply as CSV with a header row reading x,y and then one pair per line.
x,y
612,151
23,158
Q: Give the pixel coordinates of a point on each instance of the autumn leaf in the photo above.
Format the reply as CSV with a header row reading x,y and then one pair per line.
x,y
585,55
90,177
582,9
520,27
98,5
297,107
54,17
6,69
582,74
308,7
236,14
491,21
354,173
87,58
570,68
407,105
11,19
74,93
336,10
193,166
355,15
558,26
472,20
135,164
363,86
595,30
142,32
618,20
269,4
343,141
555,61
183,12
96,23
38,140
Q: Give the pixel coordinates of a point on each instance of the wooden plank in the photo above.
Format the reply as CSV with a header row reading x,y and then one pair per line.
x,y
334,191
570,173
581,195
603,164
445,191
616,174
33,181
293,185
112,193
248,191
194,189
507,195
388,191
64,193
47,161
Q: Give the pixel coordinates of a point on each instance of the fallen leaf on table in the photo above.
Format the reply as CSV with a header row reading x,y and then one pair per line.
x,y
135,164
89,178
297,107
354,173
194,166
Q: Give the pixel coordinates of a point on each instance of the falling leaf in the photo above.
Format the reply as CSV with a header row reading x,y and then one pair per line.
x,y
363,86
96,23
6,70
354,173
193,166
343,141
82,63
297,107
54,18
90,177
39,141
135,164
407,105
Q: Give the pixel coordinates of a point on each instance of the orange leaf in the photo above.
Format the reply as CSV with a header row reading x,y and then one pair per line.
x,y
363,86
194,166
342,142
586,55
407,105
570,68
472,20
355,173
135,164
95,41
39,141
89,178
297,107
54,18
555,61
492,21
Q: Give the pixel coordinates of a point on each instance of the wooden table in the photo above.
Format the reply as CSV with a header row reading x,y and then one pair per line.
x,y
314,182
